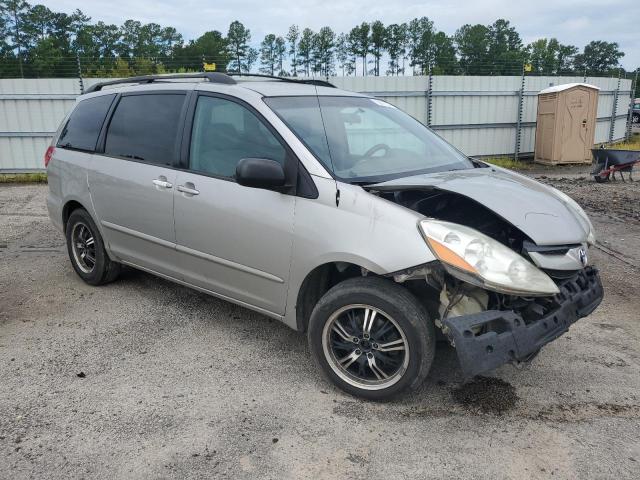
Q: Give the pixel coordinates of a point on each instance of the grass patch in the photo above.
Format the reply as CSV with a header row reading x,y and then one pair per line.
x,y
36,177
507,162
632,144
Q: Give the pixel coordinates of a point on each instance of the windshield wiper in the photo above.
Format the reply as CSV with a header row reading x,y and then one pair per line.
x,y
361,183
133,157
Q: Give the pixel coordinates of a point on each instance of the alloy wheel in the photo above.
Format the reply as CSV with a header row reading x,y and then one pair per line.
x,y
83,246
365,347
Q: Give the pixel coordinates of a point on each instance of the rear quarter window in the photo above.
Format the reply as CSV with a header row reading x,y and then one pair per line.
x,y
84,124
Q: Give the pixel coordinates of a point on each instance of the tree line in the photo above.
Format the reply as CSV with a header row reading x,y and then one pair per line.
x,y
36,41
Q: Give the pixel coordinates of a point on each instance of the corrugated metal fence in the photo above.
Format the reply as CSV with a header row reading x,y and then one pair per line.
x,y
479,115
30,112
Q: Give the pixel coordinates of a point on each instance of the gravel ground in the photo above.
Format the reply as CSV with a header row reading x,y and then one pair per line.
x,y
143,378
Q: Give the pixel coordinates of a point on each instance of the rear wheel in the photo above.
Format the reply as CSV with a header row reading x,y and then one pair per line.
x,y
372,338
86,250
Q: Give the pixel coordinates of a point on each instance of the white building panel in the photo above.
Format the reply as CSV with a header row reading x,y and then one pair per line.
x,y
478,114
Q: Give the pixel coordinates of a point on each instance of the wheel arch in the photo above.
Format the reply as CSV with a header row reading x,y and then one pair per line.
x,y
318,282
68,209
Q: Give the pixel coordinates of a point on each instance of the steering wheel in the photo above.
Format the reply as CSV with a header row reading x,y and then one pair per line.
x,y
377,148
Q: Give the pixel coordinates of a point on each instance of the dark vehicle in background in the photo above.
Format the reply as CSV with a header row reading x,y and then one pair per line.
x,y
634,112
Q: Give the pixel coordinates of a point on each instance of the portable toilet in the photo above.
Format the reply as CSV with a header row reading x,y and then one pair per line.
x,y
566,123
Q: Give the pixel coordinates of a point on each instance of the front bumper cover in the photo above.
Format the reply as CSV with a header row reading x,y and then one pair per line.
x,y
506,337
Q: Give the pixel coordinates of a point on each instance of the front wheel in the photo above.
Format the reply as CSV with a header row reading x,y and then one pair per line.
x,y
372,338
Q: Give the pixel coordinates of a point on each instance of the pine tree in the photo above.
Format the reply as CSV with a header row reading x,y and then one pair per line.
x,y
360,43
268,56
305,50
292,37
238,39
378,42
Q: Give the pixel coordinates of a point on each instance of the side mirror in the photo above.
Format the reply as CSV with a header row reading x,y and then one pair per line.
x,y
260,173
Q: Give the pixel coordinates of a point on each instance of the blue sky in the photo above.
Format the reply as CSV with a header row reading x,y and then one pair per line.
x,y
571,21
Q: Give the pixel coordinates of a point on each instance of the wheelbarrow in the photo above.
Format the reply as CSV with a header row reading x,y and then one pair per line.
x,y
606,162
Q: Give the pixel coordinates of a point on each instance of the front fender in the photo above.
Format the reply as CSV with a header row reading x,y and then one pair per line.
x,y
362,229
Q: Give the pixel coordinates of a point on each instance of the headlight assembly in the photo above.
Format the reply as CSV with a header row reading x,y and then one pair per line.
x,y
476,258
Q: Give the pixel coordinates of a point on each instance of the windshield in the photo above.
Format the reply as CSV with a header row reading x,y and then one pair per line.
x,y
364,139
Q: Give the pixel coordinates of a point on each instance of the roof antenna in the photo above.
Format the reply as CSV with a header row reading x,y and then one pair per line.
x,y
326,137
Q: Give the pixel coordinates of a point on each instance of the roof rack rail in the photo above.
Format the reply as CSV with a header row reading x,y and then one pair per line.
x,y
214,77
310,81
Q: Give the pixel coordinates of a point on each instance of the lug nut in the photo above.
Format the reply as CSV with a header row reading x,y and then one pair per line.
x,y
358,352
356,340
369,355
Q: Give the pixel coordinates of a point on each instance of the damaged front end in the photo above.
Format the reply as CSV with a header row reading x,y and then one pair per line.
x,y
514,329
502,286
489,329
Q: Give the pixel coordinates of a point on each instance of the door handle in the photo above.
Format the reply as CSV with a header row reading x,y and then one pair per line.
x,y
162,183
188,190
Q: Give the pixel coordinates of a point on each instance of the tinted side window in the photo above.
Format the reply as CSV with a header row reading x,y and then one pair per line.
x,y
145,128
83,127
225,132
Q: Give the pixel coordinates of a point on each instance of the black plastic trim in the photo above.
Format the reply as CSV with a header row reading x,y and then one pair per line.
x,y
105,125
507,337
261,173
318,83
306,187
548,249
213,77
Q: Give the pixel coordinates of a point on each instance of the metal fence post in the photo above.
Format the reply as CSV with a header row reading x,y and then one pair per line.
x,y
632,95
429,96
80,81
612,123
519,117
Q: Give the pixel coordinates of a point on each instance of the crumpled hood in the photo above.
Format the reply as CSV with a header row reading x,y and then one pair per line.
x,y
534,208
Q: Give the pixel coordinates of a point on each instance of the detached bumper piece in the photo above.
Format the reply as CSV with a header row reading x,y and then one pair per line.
x,y
487,340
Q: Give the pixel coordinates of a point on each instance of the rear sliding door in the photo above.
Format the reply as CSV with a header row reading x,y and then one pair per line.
x,y
132,181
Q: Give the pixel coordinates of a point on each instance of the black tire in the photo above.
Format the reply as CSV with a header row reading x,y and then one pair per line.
x,y
391,300
103,270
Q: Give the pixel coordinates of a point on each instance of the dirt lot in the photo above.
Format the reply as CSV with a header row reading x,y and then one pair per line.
x,y
143,378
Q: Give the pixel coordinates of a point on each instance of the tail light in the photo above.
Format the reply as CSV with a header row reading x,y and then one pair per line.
x,y
48,154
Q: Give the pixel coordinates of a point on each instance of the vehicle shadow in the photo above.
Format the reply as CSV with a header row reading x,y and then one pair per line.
x,y
252,331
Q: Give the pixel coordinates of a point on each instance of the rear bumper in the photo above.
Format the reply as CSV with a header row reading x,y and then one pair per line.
x,y
508,338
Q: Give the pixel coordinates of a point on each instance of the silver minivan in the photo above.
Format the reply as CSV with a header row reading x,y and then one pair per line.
x,y
331,211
